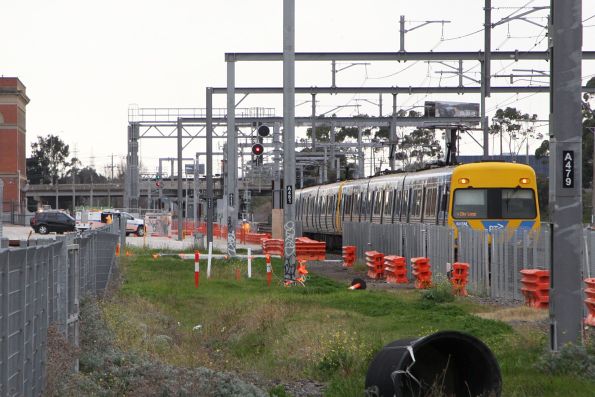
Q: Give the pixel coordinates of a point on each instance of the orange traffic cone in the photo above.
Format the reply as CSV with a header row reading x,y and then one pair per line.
x,y
357,283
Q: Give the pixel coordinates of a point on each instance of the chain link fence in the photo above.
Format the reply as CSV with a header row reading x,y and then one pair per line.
x,y
42,284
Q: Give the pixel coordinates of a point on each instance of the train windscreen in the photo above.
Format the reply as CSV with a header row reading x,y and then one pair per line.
x,y
494,203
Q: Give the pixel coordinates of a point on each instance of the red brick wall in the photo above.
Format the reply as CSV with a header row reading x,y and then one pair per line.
x,y
12,136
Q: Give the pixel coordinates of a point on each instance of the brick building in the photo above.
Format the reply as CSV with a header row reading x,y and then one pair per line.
x,y
13,169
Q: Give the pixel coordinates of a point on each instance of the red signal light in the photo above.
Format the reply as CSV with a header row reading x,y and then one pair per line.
x,y
257,149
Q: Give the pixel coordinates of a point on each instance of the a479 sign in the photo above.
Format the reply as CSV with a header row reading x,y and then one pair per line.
x,y
568,169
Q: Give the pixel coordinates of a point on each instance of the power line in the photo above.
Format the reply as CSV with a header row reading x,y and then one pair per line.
x,y
463,36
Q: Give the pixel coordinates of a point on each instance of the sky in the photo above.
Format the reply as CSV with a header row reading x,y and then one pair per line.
x,y
86,63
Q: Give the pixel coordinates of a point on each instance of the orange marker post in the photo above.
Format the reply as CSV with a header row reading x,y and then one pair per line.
x,y
267,258
196,269
117,249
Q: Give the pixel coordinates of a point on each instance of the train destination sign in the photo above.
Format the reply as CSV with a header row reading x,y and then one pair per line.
x,y
568,169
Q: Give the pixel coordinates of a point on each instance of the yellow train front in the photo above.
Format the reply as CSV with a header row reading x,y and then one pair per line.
x,y
493,196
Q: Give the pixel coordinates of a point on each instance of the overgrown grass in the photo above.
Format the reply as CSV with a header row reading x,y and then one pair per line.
x,y
321,331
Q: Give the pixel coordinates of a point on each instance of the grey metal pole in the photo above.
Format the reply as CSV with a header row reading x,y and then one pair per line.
x,y
484,119
333,73
276,169
289,136
392,135
402,33
210,209
360,155
195,193
232,161
332,138
566,173
487,54
73,191
460,72
314,122
132,192
180,208
160,188
325,176
485,75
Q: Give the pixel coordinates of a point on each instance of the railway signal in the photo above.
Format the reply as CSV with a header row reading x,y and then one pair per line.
x,y
263,131
257,149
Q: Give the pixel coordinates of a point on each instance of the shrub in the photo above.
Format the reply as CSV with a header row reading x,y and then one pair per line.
x,y
570,360
440,291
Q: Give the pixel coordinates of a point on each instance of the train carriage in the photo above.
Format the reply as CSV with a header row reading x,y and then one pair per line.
x,y
485,195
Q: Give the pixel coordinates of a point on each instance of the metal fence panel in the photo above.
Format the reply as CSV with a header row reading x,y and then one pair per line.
x,y
473,249
106,259
41,284
440,248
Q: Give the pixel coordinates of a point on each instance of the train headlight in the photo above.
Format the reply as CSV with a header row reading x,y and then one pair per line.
x,y
464,181
524,181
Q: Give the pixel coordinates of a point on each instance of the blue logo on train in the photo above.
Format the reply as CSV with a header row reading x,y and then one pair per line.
x,y
491,226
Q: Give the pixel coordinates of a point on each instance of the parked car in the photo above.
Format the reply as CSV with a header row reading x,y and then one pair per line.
x,y
133,225
44,222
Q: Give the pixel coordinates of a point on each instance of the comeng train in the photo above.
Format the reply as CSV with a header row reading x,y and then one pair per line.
x,y
484,195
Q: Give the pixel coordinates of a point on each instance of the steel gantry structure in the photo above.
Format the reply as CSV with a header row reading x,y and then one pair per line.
x,y
565,65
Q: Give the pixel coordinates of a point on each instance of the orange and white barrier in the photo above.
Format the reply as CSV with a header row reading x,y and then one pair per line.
x,y
249,263
209,259
395,269
375,263
267,259
590,301
536,287
348,255
422,272
308,249
196,268
460,274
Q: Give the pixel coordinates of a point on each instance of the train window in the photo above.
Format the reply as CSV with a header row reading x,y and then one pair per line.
x,y
518,203
494,204
345,205
356,205
369,204
470,203
430,207
348,205
397,205
406,206
378,202
388,204
416,203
